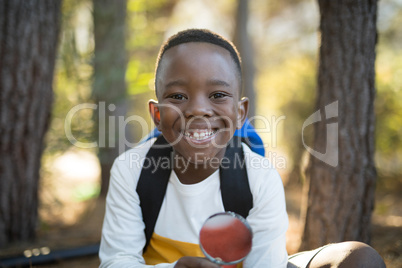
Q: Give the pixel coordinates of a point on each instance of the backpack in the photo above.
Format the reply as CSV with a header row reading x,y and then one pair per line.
x,y
152,185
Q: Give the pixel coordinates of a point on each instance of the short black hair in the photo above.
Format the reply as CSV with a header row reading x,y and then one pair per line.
x,y
203,36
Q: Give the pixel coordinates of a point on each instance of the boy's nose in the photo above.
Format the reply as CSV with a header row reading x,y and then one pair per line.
x,y
198,107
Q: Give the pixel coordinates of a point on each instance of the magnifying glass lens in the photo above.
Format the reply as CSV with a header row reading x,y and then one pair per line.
x,y
226,238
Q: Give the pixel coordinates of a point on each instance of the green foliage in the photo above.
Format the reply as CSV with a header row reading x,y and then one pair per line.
x,y
389,112
287,85
388,105
140,80
72,86
389,102
73,76
389,24
86,191
289,89
147,22
389,91
286,82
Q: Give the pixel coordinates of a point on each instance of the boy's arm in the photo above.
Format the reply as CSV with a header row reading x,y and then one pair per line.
x,y
268,219
123,235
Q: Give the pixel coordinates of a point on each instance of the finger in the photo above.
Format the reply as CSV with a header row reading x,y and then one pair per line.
x,y
195,262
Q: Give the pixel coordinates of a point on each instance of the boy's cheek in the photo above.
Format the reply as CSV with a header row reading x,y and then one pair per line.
x,y
170,110
171,120
232,120
168,116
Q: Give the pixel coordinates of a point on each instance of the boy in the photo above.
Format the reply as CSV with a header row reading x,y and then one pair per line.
x,y
198,85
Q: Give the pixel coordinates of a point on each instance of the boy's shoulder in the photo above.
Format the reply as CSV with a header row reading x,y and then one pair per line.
x,y
133,159
139,151
260,170
254,160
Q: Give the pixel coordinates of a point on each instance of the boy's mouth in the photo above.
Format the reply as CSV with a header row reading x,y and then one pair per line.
x,y
200,134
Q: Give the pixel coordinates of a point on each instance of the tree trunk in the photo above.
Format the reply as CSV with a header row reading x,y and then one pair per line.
x,y
245,47
109,85
28,44
341,192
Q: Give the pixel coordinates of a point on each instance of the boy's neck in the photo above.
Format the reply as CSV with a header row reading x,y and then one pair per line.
x,y
191,173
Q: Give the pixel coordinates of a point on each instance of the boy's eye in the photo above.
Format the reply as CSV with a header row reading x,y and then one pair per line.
x,y
218,95
177,96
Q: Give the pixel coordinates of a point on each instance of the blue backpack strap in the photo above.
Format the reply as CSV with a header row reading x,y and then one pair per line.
x,y
153,181
248,134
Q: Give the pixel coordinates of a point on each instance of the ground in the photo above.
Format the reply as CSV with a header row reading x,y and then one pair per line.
x,y
386,235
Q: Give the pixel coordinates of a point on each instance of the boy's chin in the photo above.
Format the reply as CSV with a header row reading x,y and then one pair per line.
x,y
203,159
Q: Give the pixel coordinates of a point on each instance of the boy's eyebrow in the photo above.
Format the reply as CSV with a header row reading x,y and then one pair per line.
x,y
218,82
175,83
211,82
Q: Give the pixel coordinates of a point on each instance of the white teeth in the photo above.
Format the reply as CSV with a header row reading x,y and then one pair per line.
x,y
199,134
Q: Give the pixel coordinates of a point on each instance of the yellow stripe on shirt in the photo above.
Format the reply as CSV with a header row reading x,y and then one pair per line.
x,y
166,250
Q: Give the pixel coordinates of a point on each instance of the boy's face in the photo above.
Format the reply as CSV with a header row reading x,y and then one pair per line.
x,y
199,108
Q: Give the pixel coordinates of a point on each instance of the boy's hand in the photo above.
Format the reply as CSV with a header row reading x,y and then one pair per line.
x,y
195,262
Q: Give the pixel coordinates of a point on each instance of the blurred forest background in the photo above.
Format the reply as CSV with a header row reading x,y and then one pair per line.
x,y
284,40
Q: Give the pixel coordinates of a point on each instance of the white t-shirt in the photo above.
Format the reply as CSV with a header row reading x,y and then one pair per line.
x,y
184,210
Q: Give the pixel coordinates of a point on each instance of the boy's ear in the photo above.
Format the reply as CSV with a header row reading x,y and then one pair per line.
x,y
242,112
155,113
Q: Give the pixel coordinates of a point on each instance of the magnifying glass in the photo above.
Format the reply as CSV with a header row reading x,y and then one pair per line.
x,y
226,238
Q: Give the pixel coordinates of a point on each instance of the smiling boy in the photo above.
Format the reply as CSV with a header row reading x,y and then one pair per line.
x,y
198,87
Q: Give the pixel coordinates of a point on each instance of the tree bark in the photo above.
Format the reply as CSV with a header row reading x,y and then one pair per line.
x,y
341,196
109,81
28,44
245,47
